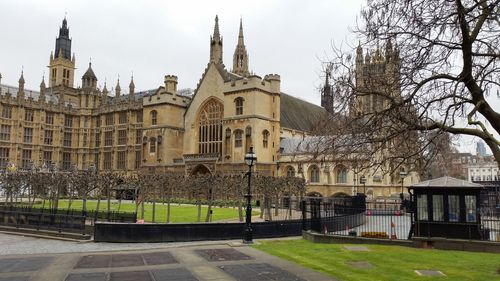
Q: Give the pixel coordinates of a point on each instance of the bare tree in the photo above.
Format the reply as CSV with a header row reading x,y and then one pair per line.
x,y
439,64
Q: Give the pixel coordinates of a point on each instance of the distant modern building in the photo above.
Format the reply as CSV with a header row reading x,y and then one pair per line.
x,y
480,148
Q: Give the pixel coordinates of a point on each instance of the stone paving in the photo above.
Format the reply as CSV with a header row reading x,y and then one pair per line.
x,y
187,262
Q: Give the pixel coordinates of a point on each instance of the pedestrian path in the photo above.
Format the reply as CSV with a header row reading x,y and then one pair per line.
x,y
197,262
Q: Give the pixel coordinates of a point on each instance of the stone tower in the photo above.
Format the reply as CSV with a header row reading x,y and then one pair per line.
x,y
61,64
378,77
240,57
216,44
327,93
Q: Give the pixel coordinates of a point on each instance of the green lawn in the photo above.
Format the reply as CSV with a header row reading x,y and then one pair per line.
x,y
178,213
391,262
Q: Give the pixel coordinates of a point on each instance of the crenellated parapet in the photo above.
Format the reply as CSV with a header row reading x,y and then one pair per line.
x,y
270,84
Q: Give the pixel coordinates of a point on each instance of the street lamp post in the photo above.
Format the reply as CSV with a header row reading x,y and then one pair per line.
x,y
402,176
362,180
250,160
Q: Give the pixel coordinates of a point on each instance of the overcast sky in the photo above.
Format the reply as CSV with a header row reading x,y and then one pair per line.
x,y
154,38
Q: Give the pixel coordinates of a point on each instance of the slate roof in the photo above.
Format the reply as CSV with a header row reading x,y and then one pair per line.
x,y
28,93
298,114
447,182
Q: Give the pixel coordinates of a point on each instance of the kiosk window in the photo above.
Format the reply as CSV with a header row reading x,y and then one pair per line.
x,y
453,208
437,207
422,213
470,207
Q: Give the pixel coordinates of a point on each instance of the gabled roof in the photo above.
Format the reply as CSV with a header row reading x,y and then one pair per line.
x,y
447,182
300,115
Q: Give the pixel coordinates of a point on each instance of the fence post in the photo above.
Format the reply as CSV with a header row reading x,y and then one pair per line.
x,y
304,214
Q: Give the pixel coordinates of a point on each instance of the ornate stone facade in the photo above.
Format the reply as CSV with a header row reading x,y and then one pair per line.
x,y
207,130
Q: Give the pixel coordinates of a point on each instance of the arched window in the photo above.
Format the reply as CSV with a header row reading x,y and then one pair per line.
x,y
210,127
341,175
290,171
239,105
152,145
265,138
314,174
238,138
154,117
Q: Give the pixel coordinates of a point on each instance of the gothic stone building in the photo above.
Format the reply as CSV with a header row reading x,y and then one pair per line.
x,y
166,129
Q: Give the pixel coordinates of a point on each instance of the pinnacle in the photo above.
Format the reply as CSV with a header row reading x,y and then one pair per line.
x,y
240,36
216,28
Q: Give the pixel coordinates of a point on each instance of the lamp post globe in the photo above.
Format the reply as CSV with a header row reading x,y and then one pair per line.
x,y
250,160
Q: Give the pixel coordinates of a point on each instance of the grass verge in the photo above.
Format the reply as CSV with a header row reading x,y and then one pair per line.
x,y
390,262
178,213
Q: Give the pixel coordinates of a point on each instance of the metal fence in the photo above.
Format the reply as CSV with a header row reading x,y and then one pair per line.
x,y
90,215
47,221
390,219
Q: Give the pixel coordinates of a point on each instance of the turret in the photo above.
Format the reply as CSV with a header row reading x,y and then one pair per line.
x,y
41,97
104,94
171,84
20,93
131,89
216,44
327,94
367,57
89,80
240,57
275,81
118,89
359,55
388,51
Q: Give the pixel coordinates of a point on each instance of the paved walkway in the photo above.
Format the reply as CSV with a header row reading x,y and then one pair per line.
x,y
180,262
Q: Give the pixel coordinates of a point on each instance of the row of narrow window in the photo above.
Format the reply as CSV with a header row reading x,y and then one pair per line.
x,y
26,159
341,174
68,119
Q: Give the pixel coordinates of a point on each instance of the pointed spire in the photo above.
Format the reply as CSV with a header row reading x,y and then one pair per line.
x,y
105,89
388,49
131,87
21,79
118,89
240,57
216,29
359,54
63,42
20,93
240,35
41,97
216,44
42,85
0,83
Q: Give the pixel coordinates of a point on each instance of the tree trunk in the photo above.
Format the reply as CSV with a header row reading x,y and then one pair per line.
x,y
168,209
84,205
154,210
97,208
209,209
199,210
108,194
262,208
240,211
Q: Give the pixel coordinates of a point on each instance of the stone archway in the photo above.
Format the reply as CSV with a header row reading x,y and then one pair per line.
x,y
340,195
200,169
